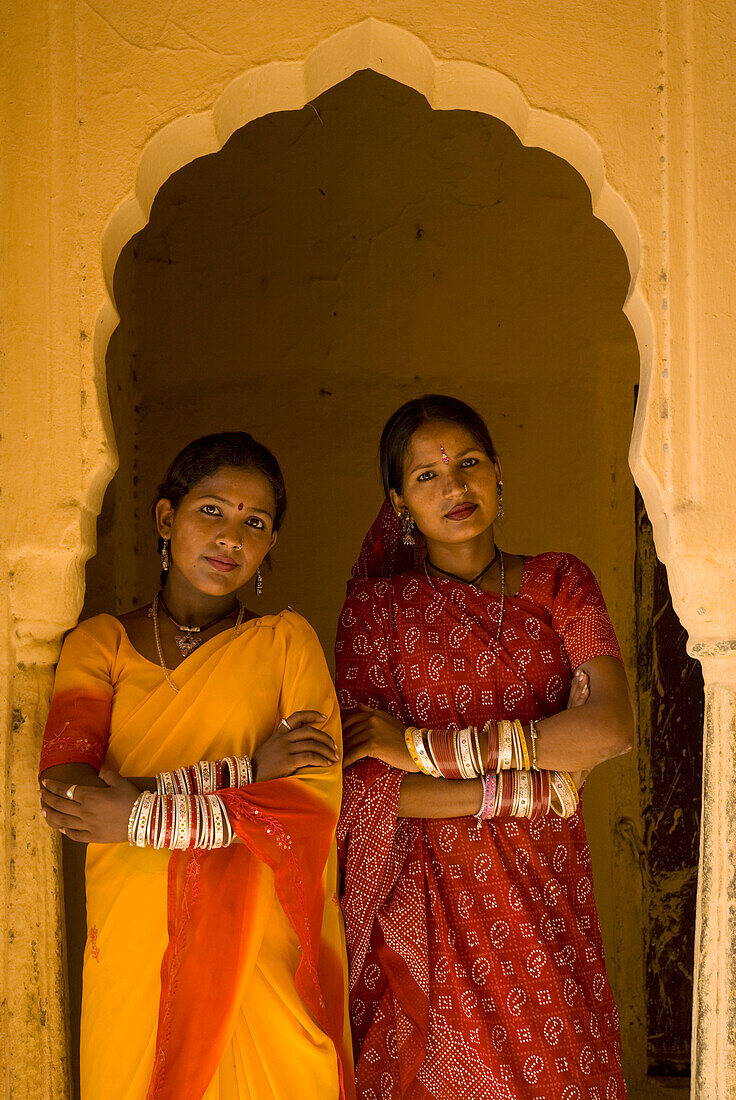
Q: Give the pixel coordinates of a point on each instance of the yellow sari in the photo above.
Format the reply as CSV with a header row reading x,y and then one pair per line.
x,y
221,974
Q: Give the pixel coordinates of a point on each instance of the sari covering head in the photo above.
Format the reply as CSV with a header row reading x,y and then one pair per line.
x,y
215,974
476,961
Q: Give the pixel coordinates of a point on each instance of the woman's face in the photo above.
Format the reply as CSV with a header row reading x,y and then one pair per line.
x,y
450,483
221,531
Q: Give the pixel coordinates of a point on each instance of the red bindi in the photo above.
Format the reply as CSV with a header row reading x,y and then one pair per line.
x,y
241,506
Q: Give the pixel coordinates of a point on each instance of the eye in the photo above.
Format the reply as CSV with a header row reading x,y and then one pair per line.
x,y
254,521
210,510
469,462
427,475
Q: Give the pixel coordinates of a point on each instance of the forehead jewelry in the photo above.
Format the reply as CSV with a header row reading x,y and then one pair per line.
x,y
241,506
445,459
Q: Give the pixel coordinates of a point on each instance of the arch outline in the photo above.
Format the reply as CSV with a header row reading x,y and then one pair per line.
x,y
446,84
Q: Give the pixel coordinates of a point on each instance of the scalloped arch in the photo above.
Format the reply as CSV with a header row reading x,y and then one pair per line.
x,y
447,85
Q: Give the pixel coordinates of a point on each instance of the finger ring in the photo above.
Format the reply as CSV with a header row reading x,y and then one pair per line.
x,y
285,723
70,791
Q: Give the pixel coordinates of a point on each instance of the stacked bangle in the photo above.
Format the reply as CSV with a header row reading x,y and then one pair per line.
x,y
419,752
513,785
457,753
527,794
206,777
179,822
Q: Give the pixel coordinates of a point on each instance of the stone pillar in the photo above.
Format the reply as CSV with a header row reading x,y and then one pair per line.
x,y
52,450
34,1021
714,1005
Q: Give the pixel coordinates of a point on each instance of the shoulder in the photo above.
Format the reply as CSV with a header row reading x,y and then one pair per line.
x,y
293,624
102,630
380,592
292,629
556,565
555,577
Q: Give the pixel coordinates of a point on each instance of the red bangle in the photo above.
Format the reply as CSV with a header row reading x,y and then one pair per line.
x,y
491,728
506,801
443,748
167,805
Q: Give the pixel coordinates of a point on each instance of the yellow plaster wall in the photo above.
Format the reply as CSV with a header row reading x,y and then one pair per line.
x,y
101,101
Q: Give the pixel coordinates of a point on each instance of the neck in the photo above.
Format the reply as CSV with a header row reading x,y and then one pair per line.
x,y
464,559
189,606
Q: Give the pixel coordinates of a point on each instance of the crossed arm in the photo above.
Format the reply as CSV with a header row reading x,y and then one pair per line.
x,y
100,806
597,725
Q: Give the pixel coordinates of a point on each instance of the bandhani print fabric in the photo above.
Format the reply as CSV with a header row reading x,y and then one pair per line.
x,y
476,961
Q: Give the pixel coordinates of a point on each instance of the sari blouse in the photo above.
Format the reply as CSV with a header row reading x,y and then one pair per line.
x,y
476,961
179,941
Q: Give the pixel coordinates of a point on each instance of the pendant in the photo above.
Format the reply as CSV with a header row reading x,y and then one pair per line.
x,y
186,643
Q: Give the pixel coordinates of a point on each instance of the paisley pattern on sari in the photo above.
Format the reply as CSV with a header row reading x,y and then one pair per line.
x,y
476,961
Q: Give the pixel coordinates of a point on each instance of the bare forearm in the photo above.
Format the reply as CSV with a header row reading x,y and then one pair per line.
x,y
579,739
84,775
423,796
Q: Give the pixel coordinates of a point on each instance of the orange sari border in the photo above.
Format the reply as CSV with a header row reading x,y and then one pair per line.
x,y
286,827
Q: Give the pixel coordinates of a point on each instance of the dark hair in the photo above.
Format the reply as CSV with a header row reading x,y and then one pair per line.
x,y
204,457
401,427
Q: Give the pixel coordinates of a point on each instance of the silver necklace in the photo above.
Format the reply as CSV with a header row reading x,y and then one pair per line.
x,y
157,636
473,585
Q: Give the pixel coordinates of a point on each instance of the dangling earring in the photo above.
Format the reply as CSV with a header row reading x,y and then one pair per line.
x,y
259,582
499,490
165,560
407,526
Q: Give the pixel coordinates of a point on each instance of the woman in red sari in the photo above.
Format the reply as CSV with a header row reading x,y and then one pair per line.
x,y
476,961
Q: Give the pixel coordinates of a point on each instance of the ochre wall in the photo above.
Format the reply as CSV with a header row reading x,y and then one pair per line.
x,y
101,102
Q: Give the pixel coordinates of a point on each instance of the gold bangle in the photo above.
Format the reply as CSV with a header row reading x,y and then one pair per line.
x,y
524,762
421,744
409,742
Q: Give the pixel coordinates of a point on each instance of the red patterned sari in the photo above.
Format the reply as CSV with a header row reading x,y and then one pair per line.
x,y
476,961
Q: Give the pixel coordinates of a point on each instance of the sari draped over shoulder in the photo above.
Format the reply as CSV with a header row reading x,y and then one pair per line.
x,y
475,954
216,975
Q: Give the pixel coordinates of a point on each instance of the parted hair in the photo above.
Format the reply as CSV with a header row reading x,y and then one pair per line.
x,y
400,427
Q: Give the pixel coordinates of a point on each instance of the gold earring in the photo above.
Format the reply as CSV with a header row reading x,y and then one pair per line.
x,y
165,560
407,526
499,489
259,582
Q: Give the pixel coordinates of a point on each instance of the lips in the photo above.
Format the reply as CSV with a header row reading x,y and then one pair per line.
x,y
462,511
222,565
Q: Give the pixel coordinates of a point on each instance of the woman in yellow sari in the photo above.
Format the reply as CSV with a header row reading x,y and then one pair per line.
x,y
212,969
